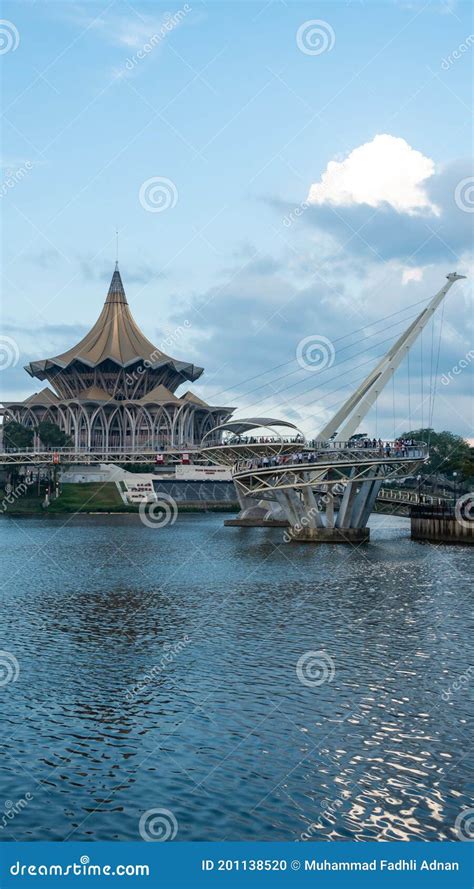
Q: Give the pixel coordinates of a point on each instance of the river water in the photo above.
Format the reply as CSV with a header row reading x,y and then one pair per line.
x,y
158,669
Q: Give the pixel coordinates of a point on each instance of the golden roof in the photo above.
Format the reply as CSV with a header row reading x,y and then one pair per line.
x,y
117,337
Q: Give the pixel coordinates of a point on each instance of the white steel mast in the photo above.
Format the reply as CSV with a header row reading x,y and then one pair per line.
x,y
353,411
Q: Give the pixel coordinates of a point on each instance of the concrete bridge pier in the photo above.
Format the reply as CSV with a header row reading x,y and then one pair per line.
x,y
256,513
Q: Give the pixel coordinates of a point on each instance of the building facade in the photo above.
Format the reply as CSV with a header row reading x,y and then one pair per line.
x,y
115,391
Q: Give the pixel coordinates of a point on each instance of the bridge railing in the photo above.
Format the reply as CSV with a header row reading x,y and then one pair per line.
x,y
237,440
110,451
417,451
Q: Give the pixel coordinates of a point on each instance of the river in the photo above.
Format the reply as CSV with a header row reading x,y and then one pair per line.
x,y
251,688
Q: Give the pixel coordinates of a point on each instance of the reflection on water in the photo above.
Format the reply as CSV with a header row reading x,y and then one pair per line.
x,y
158,669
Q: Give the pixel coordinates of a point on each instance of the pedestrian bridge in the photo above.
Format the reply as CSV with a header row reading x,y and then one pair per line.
x,y
279,477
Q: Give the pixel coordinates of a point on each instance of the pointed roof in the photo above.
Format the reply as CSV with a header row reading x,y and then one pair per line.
x,y
94,393
159,393
115,336
116,292
46,396
190,396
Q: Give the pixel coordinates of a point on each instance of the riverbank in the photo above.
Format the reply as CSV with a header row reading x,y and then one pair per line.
x,y
90,498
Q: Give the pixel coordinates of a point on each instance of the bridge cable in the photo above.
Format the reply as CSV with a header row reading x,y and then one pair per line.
x,y
352,333
409,388
435,383
298,382
421,376
393,405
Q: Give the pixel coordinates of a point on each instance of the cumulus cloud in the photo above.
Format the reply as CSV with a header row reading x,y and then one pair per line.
x,y
386,170
413,274
384,233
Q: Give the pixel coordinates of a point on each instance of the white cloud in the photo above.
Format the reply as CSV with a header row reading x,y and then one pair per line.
x,y
412,274
386,170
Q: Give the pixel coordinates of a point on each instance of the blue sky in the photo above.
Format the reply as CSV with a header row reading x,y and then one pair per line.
x,y
240,113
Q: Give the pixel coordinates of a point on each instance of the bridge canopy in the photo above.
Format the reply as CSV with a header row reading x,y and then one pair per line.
x,y
239,426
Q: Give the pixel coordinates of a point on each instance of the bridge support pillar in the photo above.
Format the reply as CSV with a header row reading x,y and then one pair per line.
x,y
347,502
256,513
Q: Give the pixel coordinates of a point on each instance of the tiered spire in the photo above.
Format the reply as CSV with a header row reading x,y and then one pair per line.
x,y
116,292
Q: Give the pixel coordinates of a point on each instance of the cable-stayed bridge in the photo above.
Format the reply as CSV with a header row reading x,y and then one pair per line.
x,y
277,472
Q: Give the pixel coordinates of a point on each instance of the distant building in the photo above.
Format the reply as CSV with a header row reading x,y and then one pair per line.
x,y
116,390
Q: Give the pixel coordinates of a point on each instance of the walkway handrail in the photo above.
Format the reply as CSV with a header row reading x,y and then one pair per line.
x,y
414,452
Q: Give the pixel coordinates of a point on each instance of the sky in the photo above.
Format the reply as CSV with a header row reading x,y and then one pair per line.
x,y
290,181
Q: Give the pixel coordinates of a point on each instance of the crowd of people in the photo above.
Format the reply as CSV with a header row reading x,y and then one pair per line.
x,y
402,447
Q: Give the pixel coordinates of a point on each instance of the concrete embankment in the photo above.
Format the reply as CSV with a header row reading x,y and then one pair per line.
x,y
440,526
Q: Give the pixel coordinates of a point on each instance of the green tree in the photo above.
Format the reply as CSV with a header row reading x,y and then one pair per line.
x,y
15,435
51,435
448,452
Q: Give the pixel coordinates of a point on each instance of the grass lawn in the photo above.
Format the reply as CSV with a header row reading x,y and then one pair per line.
x,y
90,497
93,497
